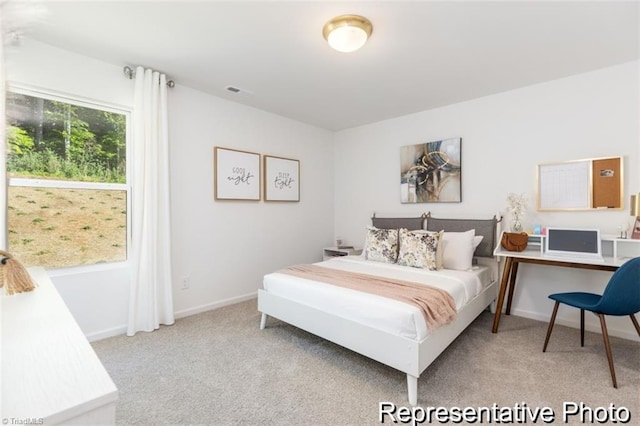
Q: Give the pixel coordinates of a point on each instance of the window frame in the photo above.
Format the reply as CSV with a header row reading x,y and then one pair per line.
x,y
52,183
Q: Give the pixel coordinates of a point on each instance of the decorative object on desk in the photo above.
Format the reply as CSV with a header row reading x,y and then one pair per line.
x,y
13,277
635,211
431,172
281,179
623,228
537,230
517,207
514,241
236,174
635,234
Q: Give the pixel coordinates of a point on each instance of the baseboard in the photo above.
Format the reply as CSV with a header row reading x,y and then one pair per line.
x,y
99,335
624,334
116,331
215,305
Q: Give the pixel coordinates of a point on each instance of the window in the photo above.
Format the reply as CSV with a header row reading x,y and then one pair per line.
x,y
68,193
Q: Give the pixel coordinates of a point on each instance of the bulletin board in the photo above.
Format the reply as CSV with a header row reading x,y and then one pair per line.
x,y
607,185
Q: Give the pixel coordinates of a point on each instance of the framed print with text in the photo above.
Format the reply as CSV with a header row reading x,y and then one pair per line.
x,y
281,179
236,174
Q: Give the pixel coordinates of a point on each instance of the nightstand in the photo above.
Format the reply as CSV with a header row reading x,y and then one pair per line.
x,y
329,252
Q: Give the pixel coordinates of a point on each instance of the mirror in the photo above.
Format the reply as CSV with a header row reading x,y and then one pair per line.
x,y
594,183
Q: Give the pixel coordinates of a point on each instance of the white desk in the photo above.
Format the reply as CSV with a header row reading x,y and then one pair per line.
x,y
617,251
50,373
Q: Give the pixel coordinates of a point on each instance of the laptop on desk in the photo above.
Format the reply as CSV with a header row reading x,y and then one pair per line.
x,y
573,244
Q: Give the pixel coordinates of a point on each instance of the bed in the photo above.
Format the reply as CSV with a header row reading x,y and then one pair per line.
x,y
390,331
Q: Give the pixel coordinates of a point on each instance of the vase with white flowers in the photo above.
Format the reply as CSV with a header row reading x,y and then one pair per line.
x,y
517,207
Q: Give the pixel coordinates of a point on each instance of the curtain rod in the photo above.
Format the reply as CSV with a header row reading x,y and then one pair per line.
x,y
130,73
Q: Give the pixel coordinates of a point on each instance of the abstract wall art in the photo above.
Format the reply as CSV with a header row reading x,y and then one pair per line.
x,y
431,172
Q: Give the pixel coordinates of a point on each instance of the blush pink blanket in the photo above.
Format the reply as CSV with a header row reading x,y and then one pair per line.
x,y
437,306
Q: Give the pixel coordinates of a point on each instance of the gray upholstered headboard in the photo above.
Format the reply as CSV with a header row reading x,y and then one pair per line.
x,y
485,227
410,223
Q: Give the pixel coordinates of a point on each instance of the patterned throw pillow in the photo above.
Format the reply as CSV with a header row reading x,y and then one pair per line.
x,y
381,245
419,249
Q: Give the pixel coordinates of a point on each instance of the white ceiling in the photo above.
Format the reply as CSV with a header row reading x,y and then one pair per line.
x,y
421,55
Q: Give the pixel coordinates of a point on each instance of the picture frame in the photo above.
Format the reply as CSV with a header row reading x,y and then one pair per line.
x,y
431,172
281,179
635,231
236,174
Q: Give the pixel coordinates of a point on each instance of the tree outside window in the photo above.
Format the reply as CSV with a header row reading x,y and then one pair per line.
x,y
68,192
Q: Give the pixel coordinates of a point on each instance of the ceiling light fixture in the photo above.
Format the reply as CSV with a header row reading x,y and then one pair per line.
x,y
347,33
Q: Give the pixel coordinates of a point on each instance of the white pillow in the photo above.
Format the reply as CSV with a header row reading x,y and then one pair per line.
x,y
476,241
458,248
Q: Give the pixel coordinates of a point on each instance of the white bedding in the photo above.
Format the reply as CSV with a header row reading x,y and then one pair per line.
x,y
382,313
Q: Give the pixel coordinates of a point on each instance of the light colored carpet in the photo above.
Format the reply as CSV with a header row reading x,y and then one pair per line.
x,y
220,368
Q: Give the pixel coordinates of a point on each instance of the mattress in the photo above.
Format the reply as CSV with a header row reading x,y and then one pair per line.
x,y
388,315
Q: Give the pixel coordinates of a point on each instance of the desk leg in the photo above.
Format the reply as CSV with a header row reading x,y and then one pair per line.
x,y
512,286
503,289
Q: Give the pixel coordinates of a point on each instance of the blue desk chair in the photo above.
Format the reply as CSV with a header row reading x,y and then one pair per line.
x,y
621,297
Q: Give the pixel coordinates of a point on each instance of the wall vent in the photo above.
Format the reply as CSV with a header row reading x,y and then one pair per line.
x,y
238,91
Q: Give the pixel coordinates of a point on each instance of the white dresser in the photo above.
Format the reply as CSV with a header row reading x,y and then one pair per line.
x,y
50,373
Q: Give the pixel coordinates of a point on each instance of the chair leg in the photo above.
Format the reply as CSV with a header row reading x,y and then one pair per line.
x,y
635,323
607,346
553,319
582,328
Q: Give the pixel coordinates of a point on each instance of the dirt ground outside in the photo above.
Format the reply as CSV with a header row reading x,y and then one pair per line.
x,y
55,227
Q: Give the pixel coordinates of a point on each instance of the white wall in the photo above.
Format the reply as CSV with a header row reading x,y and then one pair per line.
x,y
224,247
227,246
504,137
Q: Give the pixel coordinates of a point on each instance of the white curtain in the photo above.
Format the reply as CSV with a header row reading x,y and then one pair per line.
x,y
151,299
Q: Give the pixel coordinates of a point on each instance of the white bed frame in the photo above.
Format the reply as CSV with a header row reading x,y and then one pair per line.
x,y
409,356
